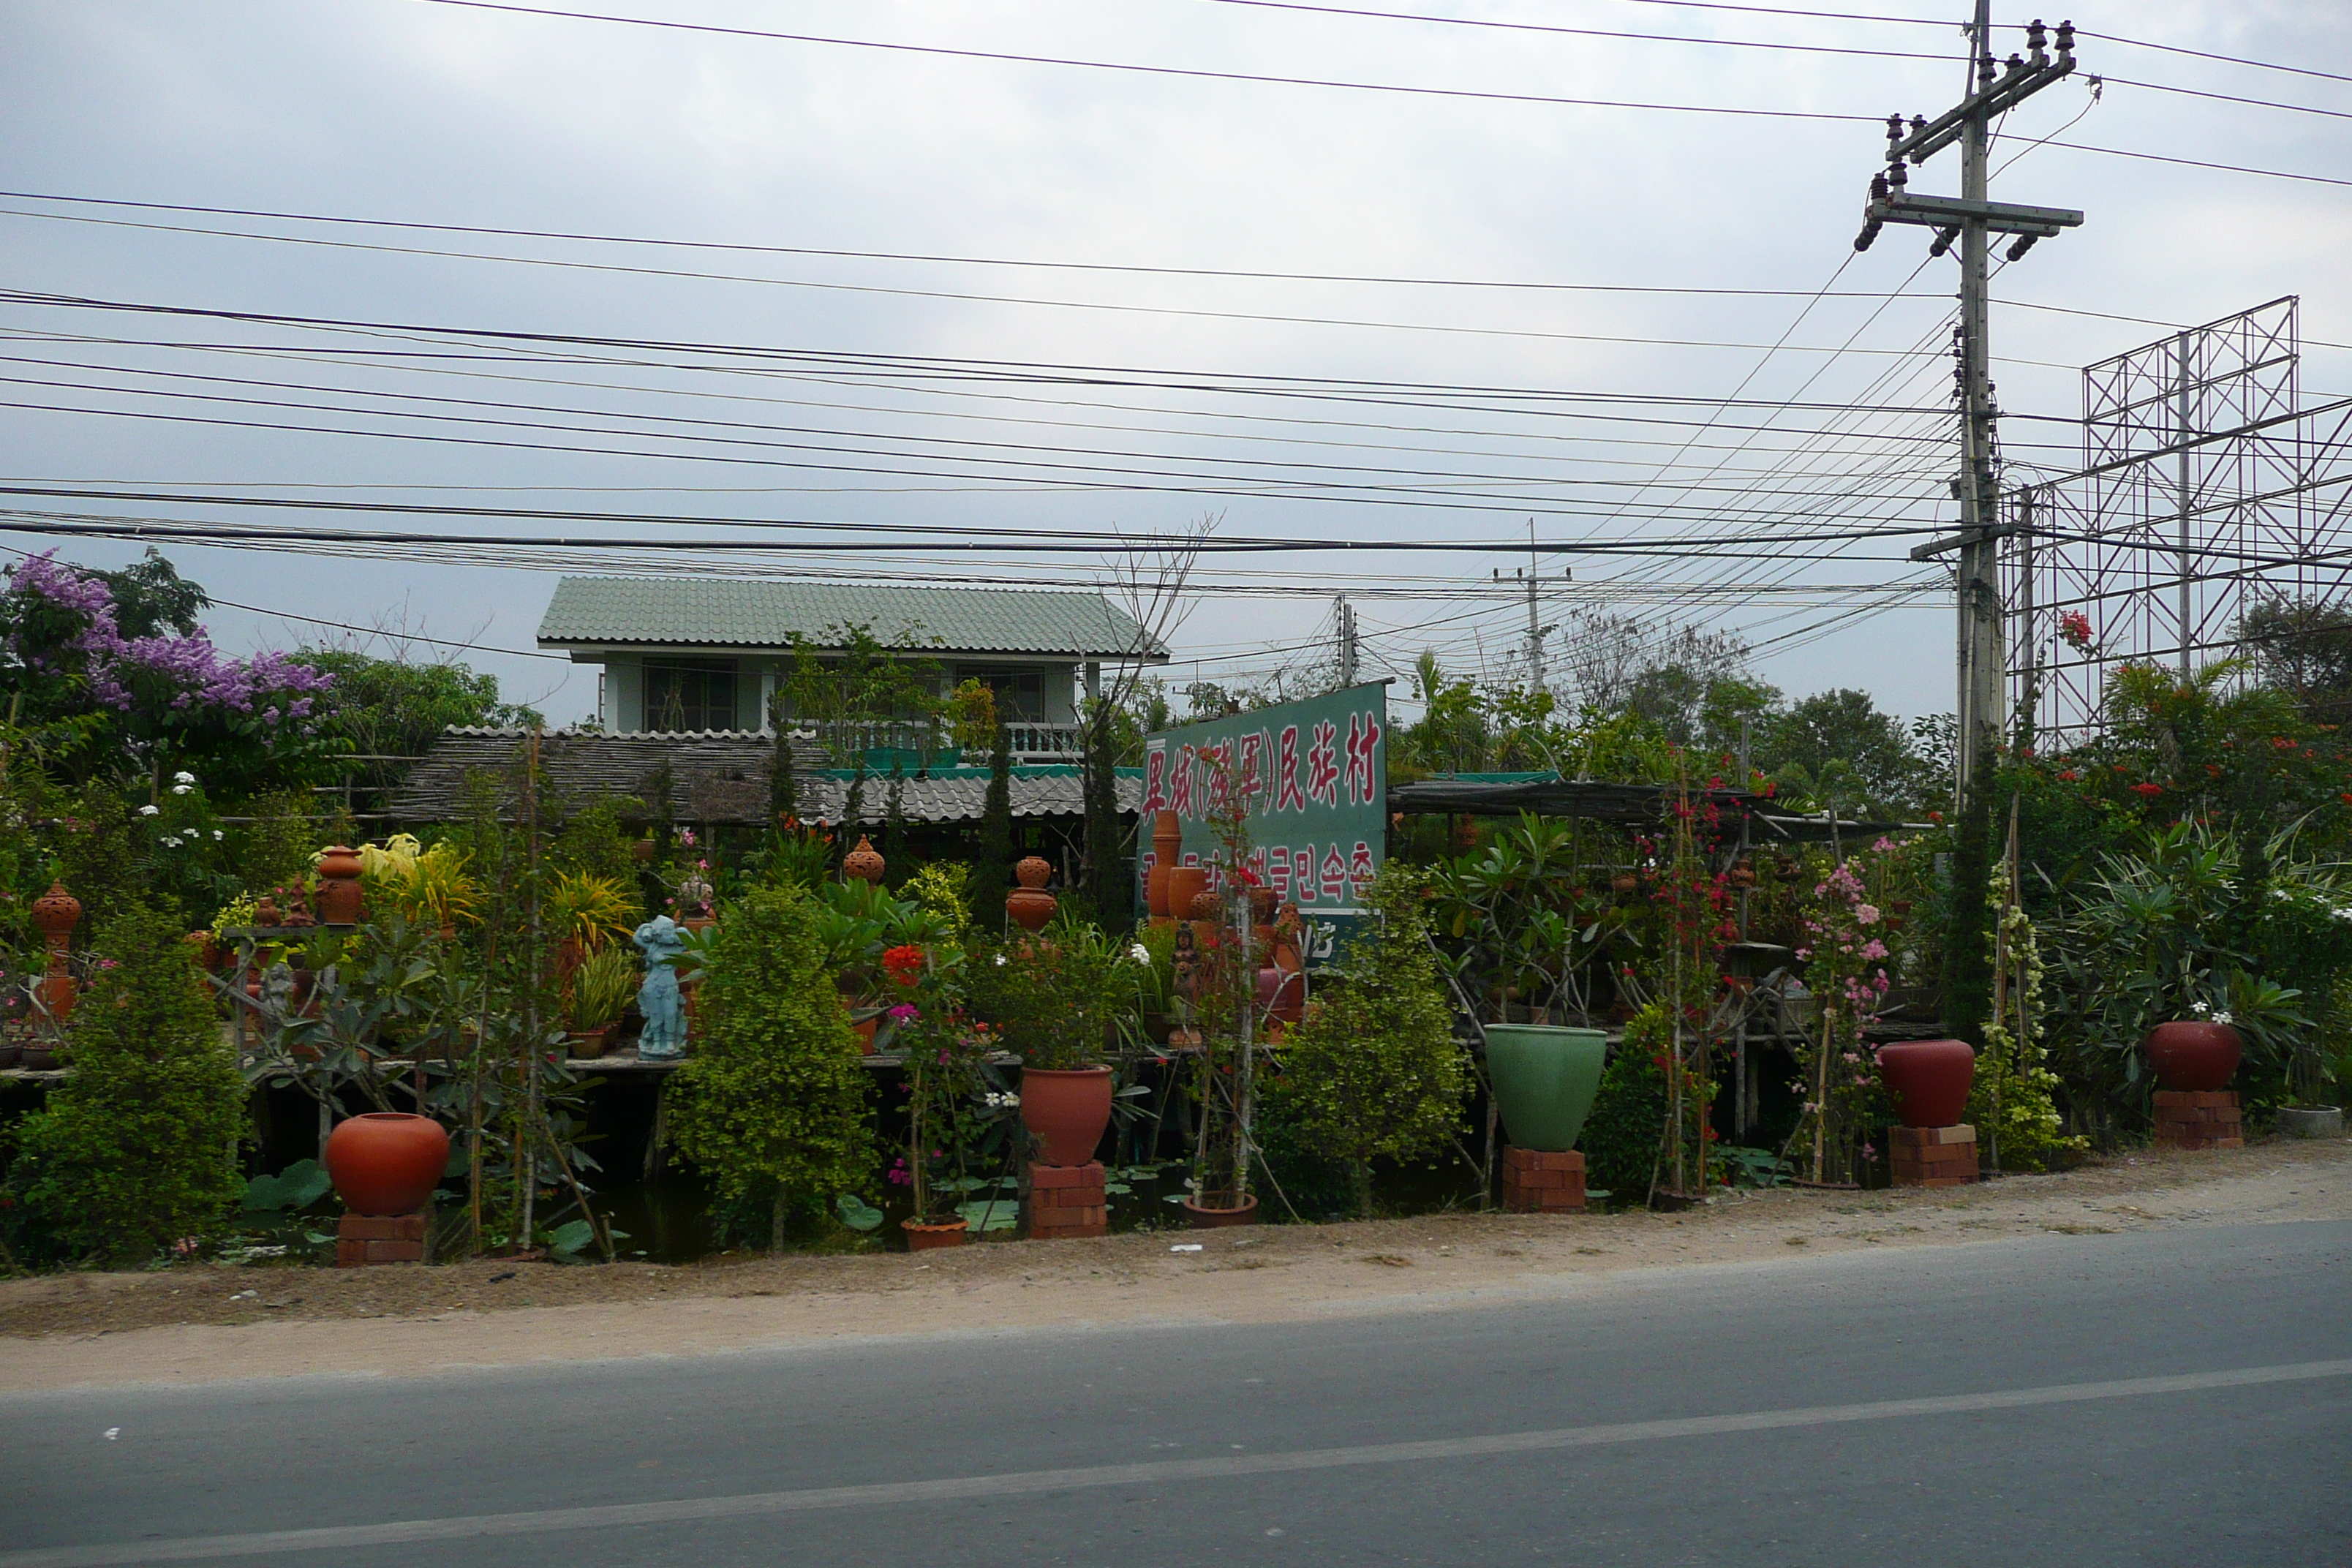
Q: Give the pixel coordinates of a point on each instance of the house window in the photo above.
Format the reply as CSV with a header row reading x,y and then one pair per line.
x,y
689,694
1020,694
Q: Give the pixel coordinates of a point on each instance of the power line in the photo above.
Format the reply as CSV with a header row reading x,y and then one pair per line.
x,y
1757,43
958,296
928,257
1140,69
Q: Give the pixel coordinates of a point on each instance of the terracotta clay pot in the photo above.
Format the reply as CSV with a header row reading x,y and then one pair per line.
x,y
923,1238
1167,837
56,913
1029,908
1184,885
337,900
1155,892
1282,994
590,1045
863,864
1218,1219
1625,884
1033,871
1264,904
387,1161
1928,1080
641,850
1209,906
1066,1109
865,1028
2192,1058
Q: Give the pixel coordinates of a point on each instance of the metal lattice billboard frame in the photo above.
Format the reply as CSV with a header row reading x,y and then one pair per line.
x,y
2205,488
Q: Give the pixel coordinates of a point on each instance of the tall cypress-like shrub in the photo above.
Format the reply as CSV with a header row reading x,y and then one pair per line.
x,y
898,855
1968,952
993,875
783,789
771,1105
136,1151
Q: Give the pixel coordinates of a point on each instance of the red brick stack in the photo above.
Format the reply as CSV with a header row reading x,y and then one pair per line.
x,y
1067,1201
2209,1119
363,1238
1536,1182
1933,1156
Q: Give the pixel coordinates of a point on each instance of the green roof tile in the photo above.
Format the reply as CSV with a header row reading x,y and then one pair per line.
x,y
726,613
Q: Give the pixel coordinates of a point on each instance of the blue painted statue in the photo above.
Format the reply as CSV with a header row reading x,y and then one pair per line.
x,y
664,1035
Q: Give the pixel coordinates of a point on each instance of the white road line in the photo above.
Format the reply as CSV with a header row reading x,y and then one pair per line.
x,y
1023,1482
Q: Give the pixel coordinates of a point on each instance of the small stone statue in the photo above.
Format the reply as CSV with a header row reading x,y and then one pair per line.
x,y
664,1035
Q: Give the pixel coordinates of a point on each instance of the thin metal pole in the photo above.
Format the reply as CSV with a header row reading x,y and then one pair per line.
x,y
2181,417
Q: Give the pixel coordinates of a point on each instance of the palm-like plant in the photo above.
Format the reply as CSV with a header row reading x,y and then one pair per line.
x,y
589,909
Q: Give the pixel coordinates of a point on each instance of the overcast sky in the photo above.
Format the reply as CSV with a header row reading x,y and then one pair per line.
x,y
432,113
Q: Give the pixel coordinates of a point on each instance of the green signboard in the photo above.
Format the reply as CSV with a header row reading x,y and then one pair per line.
x,y
1314,777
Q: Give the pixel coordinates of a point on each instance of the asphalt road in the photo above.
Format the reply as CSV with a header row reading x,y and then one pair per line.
x,y
2178,1396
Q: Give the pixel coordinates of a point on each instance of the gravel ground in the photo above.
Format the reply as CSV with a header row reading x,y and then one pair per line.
x,y
203,1322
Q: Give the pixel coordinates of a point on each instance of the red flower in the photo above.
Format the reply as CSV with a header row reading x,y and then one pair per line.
x,y
904,964
2147,789
2069,776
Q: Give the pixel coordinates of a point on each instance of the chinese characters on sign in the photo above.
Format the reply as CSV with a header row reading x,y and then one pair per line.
x,y
1313,776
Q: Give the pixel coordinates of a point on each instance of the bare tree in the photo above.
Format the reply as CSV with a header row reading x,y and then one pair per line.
x,y
1149,585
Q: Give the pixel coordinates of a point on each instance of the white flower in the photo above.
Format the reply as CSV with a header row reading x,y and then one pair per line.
x,y
1140,953
2199,1008
1000,961
186,779
2220,1017
218,833
180,789
150,811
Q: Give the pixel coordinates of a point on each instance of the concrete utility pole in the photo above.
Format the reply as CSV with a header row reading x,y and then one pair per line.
x,y
1972,220
1536,631
1344,614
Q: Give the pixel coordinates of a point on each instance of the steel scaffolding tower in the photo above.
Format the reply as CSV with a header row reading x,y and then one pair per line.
x,y
2205,489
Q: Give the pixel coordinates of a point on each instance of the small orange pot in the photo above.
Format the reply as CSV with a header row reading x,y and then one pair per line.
x,y
923,1238
1219,1219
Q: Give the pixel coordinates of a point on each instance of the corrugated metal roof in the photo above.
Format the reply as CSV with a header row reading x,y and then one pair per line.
x,y
730,613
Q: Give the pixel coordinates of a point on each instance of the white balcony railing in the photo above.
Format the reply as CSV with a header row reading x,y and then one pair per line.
x,y
1032,742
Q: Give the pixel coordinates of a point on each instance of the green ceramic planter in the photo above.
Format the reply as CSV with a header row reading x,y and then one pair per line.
x,y
1545,1078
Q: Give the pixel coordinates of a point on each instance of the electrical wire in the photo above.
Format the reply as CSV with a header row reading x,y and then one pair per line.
x,y
1137,68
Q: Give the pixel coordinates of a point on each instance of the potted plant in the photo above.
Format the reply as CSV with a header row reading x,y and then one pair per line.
x,y
1055,999
600,991
950,1109
586,913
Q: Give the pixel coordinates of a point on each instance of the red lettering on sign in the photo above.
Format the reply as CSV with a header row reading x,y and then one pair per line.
x,y
1288,796
1323,764
1302,867
1155,779
1252,780
1360,867
1180,784
1335,874
1363,736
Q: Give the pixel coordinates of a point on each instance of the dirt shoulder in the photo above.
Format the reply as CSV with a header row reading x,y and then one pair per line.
x,y
209,1323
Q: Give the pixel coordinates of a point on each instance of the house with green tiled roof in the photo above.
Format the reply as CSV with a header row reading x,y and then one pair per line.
x,y
685,655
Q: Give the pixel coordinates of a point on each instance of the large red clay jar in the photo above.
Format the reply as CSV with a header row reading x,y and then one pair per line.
x,y
2192,1058
1155,891
1928,1080
1067,1111
387,1161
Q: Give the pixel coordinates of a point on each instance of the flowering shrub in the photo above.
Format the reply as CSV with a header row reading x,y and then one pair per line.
x,y
1848,970
165,698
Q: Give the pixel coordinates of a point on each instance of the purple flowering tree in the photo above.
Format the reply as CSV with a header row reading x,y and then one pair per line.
x,y
151,705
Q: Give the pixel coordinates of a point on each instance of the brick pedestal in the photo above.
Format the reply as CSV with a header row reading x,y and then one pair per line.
x,y
1067,1201
362,1239
1538,1183
2205,1121
1933,1156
